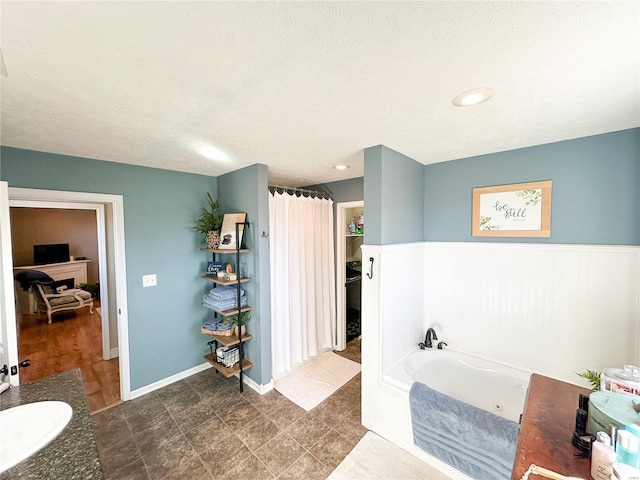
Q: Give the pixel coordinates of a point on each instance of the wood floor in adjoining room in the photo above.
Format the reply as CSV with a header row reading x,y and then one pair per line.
x,y
73,340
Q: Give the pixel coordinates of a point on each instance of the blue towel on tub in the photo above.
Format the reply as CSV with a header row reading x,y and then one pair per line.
x,y
474,441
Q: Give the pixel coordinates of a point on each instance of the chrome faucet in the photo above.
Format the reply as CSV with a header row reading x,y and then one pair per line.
x,y
431,335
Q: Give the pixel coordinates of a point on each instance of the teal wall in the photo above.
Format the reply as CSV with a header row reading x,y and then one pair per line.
x,y
595,192
373,194
393,197
350,190
160,208
246,190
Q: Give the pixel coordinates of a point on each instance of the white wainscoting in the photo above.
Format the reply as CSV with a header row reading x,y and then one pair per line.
x,y
401,293
551,309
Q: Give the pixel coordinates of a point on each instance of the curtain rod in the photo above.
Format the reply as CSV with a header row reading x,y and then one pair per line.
x,y
302,190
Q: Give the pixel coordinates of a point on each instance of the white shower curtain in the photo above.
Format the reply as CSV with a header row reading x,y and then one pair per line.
x,y
303,301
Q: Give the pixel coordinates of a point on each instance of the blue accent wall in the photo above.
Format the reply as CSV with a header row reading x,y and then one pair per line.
x,y
246,190
595,190
393,197
350,190
373,194
160,208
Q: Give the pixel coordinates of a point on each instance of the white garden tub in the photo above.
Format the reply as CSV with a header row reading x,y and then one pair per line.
x,y
483,383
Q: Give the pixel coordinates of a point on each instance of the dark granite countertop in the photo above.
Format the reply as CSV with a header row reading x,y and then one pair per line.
x,y
71,455
546,429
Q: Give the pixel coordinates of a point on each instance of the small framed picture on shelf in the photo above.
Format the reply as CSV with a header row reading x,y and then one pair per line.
x,y
214,267
228,230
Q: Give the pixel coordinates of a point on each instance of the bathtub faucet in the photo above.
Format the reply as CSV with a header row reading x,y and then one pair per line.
x,y
431,335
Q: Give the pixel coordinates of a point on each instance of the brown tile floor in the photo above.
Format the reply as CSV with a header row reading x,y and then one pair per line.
x,y
202,427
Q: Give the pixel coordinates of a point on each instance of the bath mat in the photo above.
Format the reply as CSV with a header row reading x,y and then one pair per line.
x,y
375,458
310,384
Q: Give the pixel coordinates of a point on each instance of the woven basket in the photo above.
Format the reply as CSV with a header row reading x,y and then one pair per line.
x,y
223,333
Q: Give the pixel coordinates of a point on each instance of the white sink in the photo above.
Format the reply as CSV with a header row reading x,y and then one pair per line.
x,y
27,428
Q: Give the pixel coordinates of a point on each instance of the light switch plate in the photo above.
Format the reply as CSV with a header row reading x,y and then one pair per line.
x,y
149,280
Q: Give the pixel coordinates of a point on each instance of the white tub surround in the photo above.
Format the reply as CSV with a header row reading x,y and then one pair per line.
x,y
392,319
550,309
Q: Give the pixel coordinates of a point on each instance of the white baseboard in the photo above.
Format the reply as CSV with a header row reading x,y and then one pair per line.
x,y
261,389
114,353
169,380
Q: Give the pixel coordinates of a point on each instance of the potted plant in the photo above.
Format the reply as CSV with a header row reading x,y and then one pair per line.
x,y
210,222
238,320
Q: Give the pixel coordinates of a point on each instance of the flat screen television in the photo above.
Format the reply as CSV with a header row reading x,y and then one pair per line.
x,y
55,253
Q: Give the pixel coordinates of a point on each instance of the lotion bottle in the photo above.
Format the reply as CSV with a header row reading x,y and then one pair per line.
x,y
603,456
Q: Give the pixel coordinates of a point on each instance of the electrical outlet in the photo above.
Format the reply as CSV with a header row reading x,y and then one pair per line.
x,y
149,280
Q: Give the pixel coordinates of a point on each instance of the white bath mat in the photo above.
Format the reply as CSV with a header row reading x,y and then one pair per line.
x,y
308,385
376,458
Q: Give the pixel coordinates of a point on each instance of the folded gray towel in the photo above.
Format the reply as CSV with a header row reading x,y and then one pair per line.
x,y
224,293
222,305
474,441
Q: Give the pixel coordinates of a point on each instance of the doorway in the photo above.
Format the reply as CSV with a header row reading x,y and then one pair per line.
x,y
349,239
77,339
111,258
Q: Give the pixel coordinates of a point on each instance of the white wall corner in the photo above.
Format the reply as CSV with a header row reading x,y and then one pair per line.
x,y
261,389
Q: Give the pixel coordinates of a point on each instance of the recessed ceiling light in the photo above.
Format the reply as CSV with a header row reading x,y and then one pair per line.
x,y
473,97
341,166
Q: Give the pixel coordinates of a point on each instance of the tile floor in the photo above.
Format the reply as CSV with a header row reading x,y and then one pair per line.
x,y
202,427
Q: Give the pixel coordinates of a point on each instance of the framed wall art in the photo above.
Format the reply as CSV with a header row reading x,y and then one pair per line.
x,y
516,210
228,230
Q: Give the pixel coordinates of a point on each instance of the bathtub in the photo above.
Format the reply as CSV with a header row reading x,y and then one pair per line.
x,y
491,386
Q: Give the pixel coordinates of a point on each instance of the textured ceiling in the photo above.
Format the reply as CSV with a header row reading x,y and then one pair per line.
x,y
302,86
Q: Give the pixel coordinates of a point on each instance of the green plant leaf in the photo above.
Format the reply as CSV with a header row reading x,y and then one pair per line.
x,y
235,321
592,376
210,217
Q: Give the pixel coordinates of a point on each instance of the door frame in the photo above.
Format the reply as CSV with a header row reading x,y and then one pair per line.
x,y
115,223
341,261
8,334
98,208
